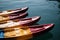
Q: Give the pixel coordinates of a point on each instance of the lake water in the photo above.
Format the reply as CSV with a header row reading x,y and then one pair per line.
x,y
49,10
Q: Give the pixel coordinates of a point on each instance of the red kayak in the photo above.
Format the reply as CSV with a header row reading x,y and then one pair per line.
x,y
15,16
41,28
26,32
16,11
18,22
33,19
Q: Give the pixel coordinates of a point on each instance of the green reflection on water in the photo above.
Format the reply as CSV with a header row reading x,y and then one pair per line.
x,y
45,36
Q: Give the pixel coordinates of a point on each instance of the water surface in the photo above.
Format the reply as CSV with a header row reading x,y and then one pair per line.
x,y
49,10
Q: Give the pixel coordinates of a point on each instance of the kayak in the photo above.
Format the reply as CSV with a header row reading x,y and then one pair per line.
x,y
16,16
33,19
18,22
27,31
12,16
16,11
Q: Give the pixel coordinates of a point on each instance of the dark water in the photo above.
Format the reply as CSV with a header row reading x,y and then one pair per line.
x,y
49,10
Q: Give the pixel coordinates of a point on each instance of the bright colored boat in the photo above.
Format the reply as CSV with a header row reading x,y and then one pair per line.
x,y
27,31
13,16
16,11
18,22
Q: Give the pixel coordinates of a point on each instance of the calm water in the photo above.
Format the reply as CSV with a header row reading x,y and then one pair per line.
x,y
49,10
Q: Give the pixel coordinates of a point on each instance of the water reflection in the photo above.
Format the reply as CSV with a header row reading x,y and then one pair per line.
x,y
59,8
58,4
55,0
43,37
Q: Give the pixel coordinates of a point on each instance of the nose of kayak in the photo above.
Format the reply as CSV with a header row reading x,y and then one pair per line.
x,y
41,28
